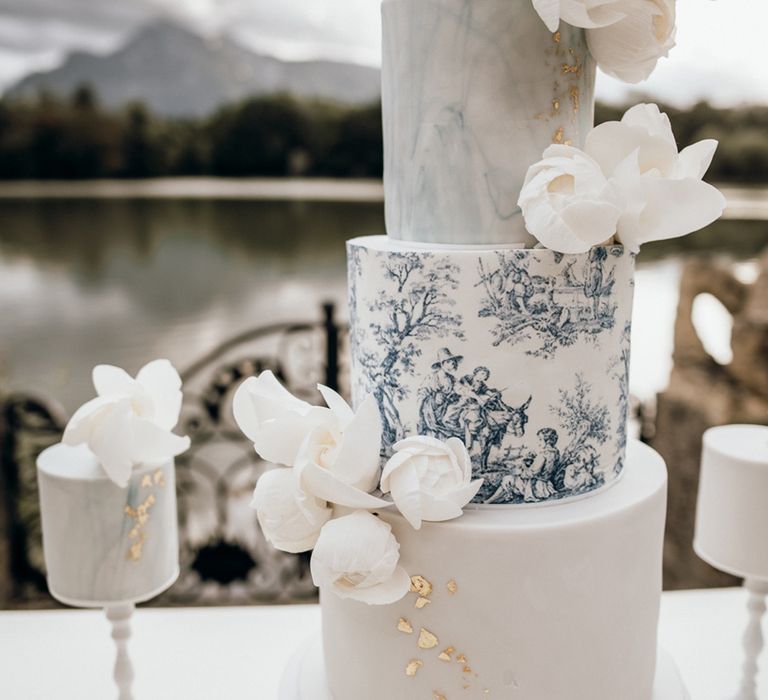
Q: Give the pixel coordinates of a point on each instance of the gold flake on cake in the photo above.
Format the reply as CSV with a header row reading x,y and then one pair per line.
x,y
558,135
461,659
404,626
556,37
421,586
140,515
451,586
445,654
421,603
427,640
146,481
413,666
555,106
437,696
158,478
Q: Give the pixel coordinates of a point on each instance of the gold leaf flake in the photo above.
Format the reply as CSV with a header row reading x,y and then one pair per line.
x,y
445,654
461,659
421,586
451,586
437,696
146,481
404,626
427,640
558,136
556,37
467,669
158,477
555,106
413,666
421,603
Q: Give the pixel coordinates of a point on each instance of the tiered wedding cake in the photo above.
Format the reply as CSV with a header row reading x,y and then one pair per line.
x,y
490,355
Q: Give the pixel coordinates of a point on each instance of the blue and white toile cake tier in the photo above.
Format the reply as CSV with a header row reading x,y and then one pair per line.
x,y
521,354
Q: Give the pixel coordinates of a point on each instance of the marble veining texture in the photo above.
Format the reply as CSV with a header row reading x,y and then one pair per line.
x,y
473,91
107,544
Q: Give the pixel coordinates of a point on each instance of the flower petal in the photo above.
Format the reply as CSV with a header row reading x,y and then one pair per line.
x,y
155,445
85,420
385,593
695,160
114,443
162,382
323,484
358,460
549,11
407,495
440,509
112,381
339,407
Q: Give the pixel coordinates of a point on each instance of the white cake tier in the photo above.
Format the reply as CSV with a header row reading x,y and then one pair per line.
x,y
105,544
473,91
731,517
557,603
522,354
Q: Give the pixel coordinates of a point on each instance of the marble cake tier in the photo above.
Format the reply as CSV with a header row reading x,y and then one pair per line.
x,y
473,91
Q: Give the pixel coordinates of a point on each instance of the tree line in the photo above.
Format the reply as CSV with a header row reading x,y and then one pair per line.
x,y
278,135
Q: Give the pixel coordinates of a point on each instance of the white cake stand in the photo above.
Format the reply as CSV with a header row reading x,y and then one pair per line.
x,y
304,676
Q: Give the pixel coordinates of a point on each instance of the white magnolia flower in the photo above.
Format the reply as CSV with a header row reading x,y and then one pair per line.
x,y
579,13
630,48
356,556
567,202
340,460
289,518
130,421
662,190
429,479
274,419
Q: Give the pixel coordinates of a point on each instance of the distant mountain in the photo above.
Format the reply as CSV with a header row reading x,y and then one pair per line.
x,y
177,72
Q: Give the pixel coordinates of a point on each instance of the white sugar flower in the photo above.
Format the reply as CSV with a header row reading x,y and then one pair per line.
x,y
274,419
130,421
356,556
429,479
567,202
340,460
630,48
579,13
662,190
289,518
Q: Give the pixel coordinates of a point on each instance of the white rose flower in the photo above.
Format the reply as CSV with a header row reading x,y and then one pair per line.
x,y
579,13
567,202
289,518
630,48
429,479
130,421
356,556
339,461
274,419
662,190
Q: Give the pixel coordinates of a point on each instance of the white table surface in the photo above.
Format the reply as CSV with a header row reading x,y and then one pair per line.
x,y
234,653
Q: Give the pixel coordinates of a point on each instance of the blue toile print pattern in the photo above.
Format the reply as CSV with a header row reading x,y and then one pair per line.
x,y
547,312
521,354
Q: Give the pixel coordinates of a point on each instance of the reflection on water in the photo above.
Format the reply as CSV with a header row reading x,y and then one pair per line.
x,y
84,281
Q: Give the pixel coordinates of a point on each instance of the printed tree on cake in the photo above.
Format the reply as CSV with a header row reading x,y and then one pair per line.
x,y
620,372
563,462
416,307
548,311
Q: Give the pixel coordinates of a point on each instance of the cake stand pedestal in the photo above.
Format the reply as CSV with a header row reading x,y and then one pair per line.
x,y
304,676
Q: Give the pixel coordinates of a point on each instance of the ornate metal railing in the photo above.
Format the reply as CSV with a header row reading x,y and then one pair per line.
x,y
224,557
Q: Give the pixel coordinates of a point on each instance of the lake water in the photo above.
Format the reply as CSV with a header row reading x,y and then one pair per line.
x,y
122,280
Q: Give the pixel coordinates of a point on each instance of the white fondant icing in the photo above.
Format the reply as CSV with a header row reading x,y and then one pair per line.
x,y
304,677
549,603
473,91
94,556
732,516
521,354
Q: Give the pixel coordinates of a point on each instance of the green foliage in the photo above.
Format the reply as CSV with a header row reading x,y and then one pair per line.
x,y
279,135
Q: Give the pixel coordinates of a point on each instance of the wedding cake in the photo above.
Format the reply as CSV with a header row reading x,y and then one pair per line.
x,y
481,525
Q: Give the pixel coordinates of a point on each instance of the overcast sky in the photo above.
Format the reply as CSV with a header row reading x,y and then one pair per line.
x,y
720,52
